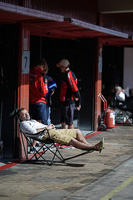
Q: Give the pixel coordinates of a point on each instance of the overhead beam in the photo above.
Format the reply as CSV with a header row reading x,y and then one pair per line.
x,y
30,12
97,28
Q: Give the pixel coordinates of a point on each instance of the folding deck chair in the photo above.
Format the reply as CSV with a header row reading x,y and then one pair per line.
x,y
50,146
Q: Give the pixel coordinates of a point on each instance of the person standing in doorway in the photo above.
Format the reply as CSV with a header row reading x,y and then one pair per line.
x,y
69,94
37,92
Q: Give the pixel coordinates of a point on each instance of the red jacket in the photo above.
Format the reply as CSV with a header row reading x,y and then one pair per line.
x,y
69,89
37,89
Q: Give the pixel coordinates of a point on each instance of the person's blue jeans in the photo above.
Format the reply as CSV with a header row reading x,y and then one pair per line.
x,y
38,111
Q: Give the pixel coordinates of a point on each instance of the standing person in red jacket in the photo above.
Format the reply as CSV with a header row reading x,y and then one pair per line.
x,y
69,94
37,92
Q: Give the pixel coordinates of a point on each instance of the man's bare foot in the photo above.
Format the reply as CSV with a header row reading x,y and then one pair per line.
x,y
99,146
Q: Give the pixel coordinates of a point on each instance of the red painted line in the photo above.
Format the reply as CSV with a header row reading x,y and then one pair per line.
x,y
37,154
93,134
6,166
98,132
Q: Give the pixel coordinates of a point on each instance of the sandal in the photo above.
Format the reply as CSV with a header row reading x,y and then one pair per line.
x,y
101,148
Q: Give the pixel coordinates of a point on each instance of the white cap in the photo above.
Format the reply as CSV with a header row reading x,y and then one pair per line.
x,y
63,62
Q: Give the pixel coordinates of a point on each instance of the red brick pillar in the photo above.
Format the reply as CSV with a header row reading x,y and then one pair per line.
x,y
23,75
98,82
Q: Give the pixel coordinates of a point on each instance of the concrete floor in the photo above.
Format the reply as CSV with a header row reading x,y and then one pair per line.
x,y
95,176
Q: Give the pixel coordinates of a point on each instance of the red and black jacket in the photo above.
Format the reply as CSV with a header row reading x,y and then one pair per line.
x,y
38,88
69,89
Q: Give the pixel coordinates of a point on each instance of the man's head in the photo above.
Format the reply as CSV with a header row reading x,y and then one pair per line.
x,y
23,114
63,65
118,89
42,64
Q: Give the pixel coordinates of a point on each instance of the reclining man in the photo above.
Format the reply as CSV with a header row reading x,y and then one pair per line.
x,y
72,137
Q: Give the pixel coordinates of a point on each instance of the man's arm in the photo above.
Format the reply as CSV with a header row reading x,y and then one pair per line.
x,y
73,84
51,126
27,128
44,86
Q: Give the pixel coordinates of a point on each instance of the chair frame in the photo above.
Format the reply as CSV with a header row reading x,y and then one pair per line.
x,y
49,144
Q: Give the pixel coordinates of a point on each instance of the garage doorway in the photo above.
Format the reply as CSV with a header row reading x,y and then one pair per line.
x,y
80,53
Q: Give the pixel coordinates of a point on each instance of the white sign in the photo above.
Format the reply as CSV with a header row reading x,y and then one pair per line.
x,y
112,115
25,62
